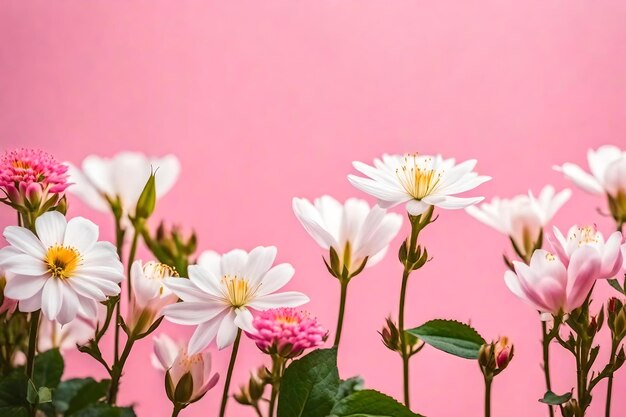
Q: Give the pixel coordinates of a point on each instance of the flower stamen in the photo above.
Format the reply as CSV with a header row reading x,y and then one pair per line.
x,y
62,261
417,177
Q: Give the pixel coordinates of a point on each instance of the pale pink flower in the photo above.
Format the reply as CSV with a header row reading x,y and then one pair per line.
x,y
551,286
177,363
64,337
609,253
63,270
29,177
420,181
149,294
222,289
286,332
8,305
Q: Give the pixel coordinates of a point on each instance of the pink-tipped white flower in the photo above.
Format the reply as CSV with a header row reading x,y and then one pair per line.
x,y
53,335
353,229
63,270
222,289
174,360
589,239
123,177
420,181
30,177
286,332
150,295
522,217
551,286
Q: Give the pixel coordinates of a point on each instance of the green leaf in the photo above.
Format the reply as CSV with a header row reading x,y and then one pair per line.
x,y
615,284
349,386
31,393
75,394
105,410
551,398
370,403
13,395
48,369
310,385
45,395
450,336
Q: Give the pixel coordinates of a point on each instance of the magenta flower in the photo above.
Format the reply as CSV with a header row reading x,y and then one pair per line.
x,y
286,332
29,176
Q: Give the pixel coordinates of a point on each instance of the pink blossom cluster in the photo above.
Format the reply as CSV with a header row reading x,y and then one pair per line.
x,y
31,174
287,332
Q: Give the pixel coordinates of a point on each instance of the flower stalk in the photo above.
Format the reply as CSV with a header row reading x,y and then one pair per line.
x,y
229,373
342,309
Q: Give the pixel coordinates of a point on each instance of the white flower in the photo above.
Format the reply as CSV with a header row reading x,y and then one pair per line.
x,y
176,362
53,335
608,171
418,180
589,239
523,217
149,294
221,290
123,176
64,270
354,230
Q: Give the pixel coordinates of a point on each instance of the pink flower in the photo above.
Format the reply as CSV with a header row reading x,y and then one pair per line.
x,y
174,360
30,176
150,295
550,285
286,332
588,238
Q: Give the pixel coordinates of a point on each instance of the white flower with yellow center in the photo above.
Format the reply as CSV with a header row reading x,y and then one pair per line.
x,y
420,181
221,290
63,270
522,217
353,229
122,177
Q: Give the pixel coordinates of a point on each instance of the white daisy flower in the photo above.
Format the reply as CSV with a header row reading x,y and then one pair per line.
x,y
353,229
420,181
63,270
124,176
221,290
522,217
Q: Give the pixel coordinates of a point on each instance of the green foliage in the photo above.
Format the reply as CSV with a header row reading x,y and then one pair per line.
x,y
49,367
370,403
77,394
551,398
450,336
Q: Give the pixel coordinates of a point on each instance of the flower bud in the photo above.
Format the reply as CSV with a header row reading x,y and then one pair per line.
x,y
251,394
147,199
494,357
391,339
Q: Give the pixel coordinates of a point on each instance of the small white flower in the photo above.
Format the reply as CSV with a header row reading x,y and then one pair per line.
x,y
354,230
608,171
221,290
63,270
123,176
522,217
420,181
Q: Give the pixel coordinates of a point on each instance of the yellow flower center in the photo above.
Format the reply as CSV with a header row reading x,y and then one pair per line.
x,y
159,271
238,290
62,261
417,178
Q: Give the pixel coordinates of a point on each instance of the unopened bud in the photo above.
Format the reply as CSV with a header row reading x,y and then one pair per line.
x,y
494,357
251,393
147,199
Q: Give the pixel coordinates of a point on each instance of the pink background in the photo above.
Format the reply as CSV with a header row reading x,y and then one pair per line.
x,y
266,100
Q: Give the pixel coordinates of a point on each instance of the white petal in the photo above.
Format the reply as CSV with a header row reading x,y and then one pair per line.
x,y
378,190
189,313
204,279
51,299
99,173
276,278
130,173
86,288
415,207
82,187
457,202
260,260
227,332
244,319
234,263
212,261
50,228
25,264
579,177
28,305
69,308
167,170
204,335
285,299
312,223
165,351
24,240
21,287
80,234
186,290
87,307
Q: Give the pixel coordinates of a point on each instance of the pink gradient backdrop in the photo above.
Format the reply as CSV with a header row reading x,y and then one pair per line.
x,y
263,101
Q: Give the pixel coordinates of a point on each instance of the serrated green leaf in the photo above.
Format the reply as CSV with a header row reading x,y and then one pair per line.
x,y
450,336
370,403
551,398
48,369
310,385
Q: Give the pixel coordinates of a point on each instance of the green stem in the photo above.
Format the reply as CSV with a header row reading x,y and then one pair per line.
x,y
117,369
488,382
177,409
404,353
546,360
131,259
229,374
119,244
32,348
278,366
342,309
609,386
258,410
